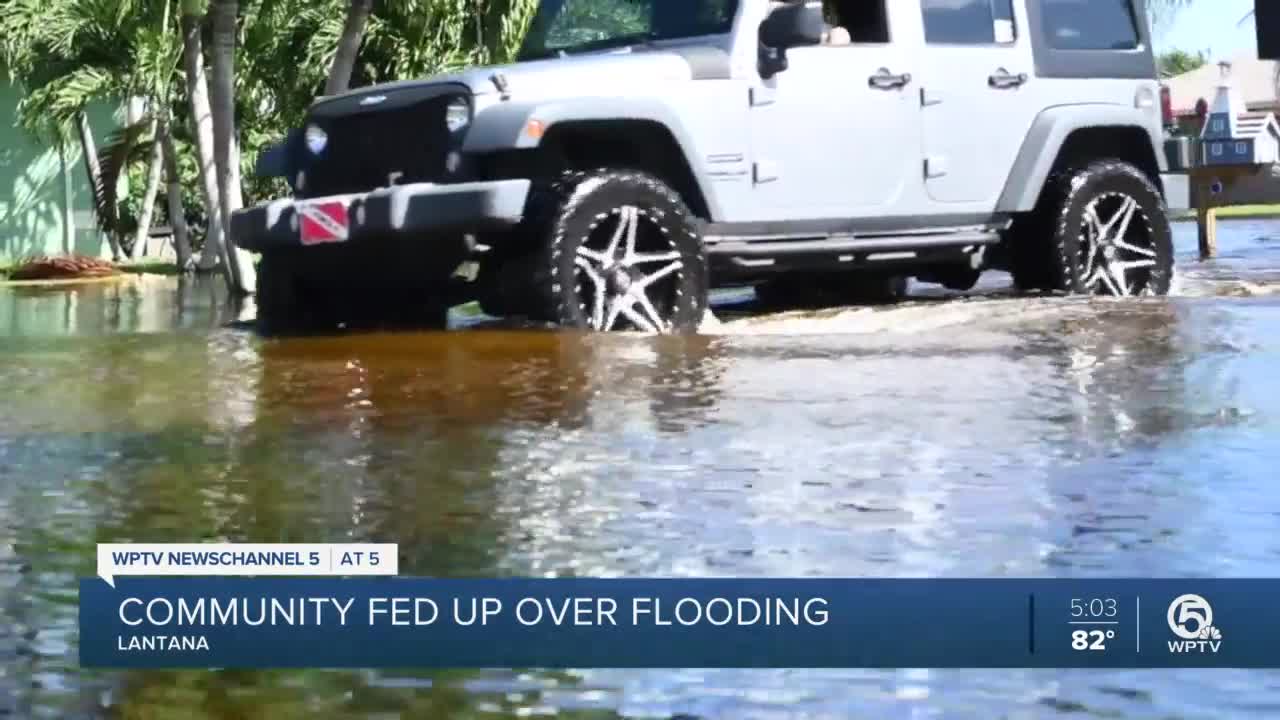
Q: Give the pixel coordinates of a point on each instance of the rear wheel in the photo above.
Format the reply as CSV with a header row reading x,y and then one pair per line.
x,y
619,250
1100,230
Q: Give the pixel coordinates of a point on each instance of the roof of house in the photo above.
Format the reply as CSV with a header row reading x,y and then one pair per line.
x,y
1256,80
1254,125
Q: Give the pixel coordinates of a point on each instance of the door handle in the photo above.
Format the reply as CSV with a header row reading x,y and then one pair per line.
x,y
1003,79
885,80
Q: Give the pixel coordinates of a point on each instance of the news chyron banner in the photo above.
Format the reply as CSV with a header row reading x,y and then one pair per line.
x,y
330,606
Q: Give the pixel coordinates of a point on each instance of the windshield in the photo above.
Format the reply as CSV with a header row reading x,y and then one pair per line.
x,y
576,25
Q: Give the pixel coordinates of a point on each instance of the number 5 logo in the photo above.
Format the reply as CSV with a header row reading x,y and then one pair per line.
x,y
1188,608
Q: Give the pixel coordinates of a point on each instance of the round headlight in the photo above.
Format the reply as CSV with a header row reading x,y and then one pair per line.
x,y
316,139
457,115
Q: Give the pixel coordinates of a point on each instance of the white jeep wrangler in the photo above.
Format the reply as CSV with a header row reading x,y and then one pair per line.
x,y
641,152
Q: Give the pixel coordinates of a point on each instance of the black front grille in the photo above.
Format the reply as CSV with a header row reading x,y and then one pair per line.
x,y
365,150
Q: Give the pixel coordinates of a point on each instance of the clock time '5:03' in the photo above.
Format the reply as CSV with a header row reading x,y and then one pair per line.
x,y
1099,609
1093,611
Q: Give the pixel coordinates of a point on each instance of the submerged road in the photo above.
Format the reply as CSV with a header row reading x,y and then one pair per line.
x,y
978,435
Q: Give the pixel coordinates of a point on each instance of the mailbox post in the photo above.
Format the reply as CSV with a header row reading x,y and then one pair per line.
x,y
1234,144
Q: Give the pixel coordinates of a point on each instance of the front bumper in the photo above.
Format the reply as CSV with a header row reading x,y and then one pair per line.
x,y
406,210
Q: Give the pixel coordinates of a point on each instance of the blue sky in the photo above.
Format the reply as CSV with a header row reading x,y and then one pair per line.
x,y
1210,25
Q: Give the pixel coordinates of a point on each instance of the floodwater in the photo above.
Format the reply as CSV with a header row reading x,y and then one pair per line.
x,y
986,435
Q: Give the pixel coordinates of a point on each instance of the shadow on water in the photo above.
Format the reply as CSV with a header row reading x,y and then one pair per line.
x,y
984,436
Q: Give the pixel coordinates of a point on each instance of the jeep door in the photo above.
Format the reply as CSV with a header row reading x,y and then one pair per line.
x,y
837,134
976,111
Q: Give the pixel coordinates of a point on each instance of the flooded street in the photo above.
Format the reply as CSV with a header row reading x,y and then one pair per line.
x,y
979,436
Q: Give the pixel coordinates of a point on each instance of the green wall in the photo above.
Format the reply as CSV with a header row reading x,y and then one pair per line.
x,y
46,207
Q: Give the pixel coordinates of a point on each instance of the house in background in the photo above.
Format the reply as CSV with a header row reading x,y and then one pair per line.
x,y
1192,93
46,205
1256,84
1234,134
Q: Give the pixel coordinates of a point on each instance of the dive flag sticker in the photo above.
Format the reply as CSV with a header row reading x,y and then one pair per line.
x,y
320,223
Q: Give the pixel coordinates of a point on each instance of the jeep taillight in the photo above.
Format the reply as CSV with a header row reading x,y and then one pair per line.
x,y
1166,105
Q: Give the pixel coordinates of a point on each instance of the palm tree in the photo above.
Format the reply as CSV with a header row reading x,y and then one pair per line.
x,y
72,53
154,111
75,54
202,131
226,155
173,195
89,148
344,60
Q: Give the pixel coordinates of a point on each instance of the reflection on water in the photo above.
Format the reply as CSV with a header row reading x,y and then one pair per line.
x,y
986,436
129,304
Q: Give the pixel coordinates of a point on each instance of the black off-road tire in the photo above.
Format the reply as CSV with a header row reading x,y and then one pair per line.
x,y
508,281
1046,245
959,279
581,208
819,290
892,289
281,308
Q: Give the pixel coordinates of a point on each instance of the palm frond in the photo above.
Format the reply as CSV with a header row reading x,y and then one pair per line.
x,y
124,147
53,107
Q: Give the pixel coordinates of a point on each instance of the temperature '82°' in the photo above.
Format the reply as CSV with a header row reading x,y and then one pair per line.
x,y
1091,639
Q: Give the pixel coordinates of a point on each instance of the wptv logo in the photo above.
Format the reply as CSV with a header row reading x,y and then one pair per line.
x,y
1191,619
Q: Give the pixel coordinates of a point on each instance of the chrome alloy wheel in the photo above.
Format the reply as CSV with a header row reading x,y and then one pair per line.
x,y
633,276
1117,255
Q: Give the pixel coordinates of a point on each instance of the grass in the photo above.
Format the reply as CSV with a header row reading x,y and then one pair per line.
x,y
1237,212
153,267
1249,211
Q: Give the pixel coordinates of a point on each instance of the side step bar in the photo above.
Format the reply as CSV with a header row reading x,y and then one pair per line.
x,y
847,244
743,258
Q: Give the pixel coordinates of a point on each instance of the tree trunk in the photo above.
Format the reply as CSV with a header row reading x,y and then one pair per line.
x,y
214,250
344,61
226,153
149,198
177,214
234,195
91,165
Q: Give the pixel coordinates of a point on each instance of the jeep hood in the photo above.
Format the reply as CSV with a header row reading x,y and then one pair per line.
x,y
596,73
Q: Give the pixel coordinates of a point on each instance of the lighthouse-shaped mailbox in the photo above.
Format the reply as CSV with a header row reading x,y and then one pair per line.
x,y
1234,136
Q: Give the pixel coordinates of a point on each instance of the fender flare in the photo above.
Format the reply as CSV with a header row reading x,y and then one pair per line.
x,y
505,127
1048,134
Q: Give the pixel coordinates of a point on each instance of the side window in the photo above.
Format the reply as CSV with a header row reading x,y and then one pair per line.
x,y
968,22
1090,24
864,20
583,21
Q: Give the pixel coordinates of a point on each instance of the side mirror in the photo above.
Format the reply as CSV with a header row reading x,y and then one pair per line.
x,y
277,160
795,24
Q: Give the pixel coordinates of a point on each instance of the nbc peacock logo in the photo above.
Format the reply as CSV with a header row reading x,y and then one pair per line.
x,y
1191,619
